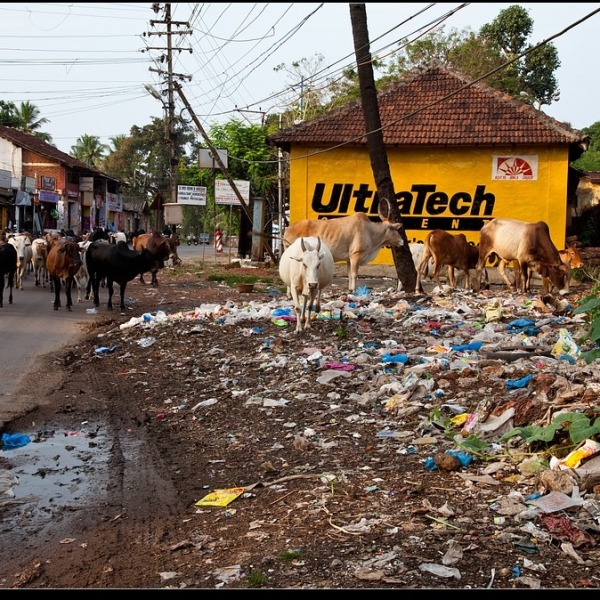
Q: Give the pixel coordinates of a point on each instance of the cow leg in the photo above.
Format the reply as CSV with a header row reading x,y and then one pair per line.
x,y
154,280
111,290
142,279
502,272
122,287
451,277
299,310
68,286
353,273
526,274
56,284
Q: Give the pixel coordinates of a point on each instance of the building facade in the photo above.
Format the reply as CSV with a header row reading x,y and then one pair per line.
x,y
460,153
50,189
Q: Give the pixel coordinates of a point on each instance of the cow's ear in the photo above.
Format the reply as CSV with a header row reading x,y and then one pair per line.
x,y
384,209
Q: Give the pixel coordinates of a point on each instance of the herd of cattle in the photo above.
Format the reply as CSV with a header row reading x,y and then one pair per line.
x,y
99,258
305,267
311,247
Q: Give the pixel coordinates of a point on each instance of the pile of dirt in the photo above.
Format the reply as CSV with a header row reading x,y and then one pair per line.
x,y
340,444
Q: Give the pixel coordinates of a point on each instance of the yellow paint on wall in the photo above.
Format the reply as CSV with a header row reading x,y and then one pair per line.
x,y
455,189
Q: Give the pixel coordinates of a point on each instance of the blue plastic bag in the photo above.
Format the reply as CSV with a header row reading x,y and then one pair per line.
x,y
519,323
395,358
518,383
471,346
14,440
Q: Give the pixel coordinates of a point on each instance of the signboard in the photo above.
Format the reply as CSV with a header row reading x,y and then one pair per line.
x,y
224,193
173,213
206,160
86,184
194,195
48,183
48,197
114,202
5,179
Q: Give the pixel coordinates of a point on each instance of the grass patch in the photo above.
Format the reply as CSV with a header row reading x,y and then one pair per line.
x,y
231,280
257,579
290,555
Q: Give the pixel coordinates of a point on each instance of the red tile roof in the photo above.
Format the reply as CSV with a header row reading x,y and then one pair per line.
x,y
30,142
436,107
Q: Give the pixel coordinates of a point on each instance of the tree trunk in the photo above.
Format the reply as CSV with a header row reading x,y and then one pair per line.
x,y
388,206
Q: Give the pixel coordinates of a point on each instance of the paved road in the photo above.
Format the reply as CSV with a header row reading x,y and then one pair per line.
x,y
30,327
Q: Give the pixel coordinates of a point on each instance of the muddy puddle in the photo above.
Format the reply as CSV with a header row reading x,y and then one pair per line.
x,y
57,471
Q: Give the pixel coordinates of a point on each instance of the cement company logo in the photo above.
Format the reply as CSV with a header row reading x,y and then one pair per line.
x,y
516,168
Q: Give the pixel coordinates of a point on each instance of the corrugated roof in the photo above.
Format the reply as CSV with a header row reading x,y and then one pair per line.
x,y
30,142
436,107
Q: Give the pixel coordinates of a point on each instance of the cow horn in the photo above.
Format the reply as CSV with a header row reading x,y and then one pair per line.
x,y
302,245
318,243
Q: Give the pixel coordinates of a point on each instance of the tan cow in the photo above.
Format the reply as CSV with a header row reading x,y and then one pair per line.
x,y
354,239
39,254
530,245
63,262
447,249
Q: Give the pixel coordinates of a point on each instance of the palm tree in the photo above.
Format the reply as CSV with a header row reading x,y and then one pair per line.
x,y
117,142
89,149
29,122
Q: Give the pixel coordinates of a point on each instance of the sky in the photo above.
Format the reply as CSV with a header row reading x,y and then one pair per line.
x,y
86,65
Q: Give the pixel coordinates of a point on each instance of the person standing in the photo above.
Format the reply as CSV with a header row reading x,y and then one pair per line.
x,y
219,240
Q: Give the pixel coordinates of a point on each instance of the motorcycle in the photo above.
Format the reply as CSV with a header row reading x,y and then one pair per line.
x,y
192,239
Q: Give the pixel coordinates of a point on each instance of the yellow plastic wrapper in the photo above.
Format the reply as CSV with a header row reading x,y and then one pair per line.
x,y
493,312
565,345
220,497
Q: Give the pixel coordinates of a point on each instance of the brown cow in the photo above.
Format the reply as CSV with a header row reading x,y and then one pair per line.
x,y
447,249
62,263
530,245
159,247
571,256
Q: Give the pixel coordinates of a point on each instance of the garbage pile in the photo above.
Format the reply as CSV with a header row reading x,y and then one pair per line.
x,y
490,388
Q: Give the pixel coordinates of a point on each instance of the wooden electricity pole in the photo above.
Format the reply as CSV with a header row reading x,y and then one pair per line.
x,y
388,207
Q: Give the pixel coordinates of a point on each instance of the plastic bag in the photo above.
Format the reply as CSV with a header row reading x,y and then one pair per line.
x,y
14,440
565,345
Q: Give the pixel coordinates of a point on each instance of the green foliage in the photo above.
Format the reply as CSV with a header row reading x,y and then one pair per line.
x,y
590,160
288,556
577,425
89,149
8,114
257,578
478,53
590,305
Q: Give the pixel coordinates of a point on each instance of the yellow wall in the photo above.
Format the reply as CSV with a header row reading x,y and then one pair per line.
x,y
437,188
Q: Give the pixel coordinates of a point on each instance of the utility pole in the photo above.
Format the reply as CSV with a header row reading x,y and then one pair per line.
x,y
170,120
223,168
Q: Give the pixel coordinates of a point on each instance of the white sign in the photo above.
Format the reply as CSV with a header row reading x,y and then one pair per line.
x,y
224,193
191,194
206,159
516,168
86,184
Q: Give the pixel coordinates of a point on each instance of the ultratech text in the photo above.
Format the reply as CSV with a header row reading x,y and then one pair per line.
x,y
421,208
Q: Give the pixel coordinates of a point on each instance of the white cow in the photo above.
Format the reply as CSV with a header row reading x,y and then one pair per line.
x,y
306,267
39,253
22,244
355,239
